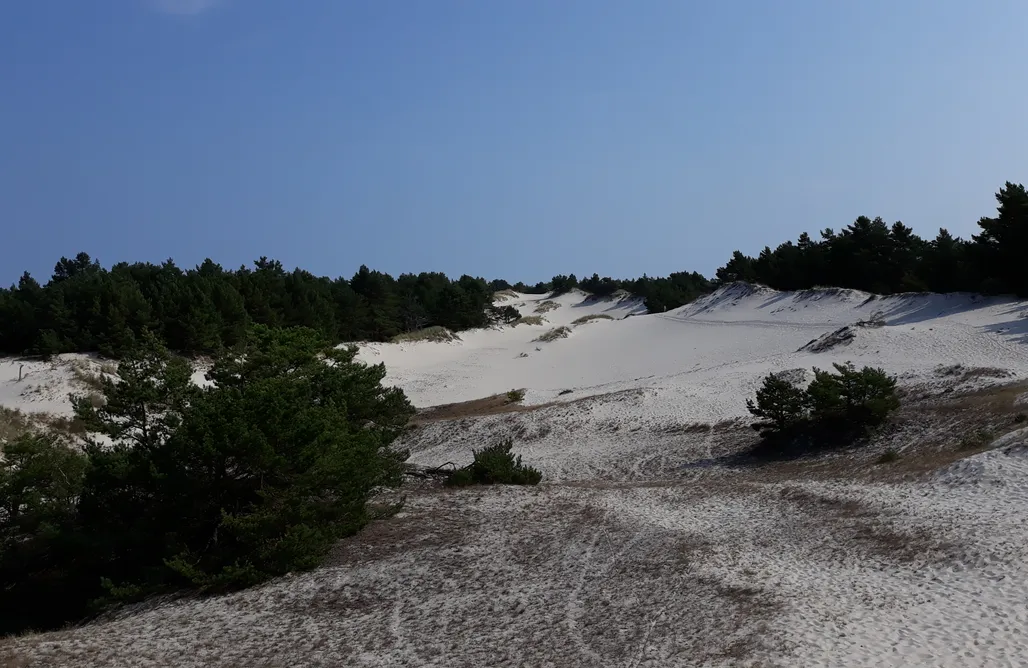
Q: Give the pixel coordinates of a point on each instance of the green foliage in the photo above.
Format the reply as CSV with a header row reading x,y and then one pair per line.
x,y
876,257
495,465
780,406
145,405
41,478
85,307
212,488
835,407
852,398
659,294
505,314
515,396
888,457
562,284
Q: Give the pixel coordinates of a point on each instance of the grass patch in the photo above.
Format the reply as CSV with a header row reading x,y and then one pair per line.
x,y
63,424
13,423
888,457
495,465
501,295
83,375
554,334
977,439
547,306
435,334
529,320
589,318
515,396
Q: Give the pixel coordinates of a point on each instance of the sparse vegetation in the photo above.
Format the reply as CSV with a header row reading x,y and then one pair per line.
x,y
888,457
554,334
495,465
435,334
13,423
530,320
547,306
63,424
515,396
589,318
82,374
976,440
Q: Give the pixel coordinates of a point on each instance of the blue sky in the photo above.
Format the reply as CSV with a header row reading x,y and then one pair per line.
x,y
502,138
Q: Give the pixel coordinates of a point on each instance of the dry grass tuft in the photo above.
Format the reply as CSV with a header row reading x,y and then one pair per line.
x,y
529,320
61,423
589,318
547,306
435,334
13,423
82,373
555,334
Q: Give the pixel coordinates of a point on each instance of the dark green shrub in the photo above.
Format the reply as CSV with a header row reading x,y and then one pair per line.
x,y
888,457
977,439
780,405
850,398
515,396
200,488
834,409
41,581
256,476
495,465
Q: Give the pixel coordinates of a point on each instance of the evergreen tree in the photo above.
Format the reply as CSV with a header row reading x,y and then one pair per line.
x,y
1003,242
41,478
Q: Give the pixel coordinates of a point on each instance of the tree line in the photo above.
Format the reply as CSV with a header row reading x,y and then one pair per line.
x,y
659,294
86,307
873,256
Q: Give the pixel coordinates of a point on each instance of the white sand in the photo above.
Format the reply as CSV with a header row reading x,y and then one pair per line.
x,y
626,557
44,387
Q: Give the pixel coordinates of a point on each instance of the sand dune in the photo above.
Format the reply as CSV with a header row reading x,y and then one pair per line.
x,y
647,544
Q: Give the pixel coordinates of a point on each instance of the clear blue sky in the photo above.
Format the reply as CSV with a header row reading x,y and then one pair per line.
x,y
502,138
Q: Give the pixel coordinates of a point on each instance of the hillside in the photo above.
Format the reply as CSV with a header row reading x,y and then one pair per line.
x,y
650,543
695,365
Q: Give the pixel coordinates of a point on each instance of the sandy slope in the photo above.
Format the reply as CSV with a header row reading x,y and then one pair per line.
x,y
643,548
649,375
